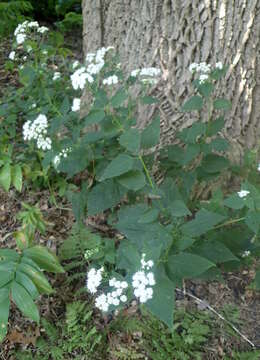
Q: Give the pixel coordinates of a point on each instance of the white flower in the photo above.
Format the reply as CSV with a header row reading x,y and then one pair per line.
x,y
33,24
12,55
75,105
135,72
90,57
219,65
25,58
204,67
203,78
246,253
56,76
94,278
28,48
111,80
42,29
193,67
102,303
150,71
94,69
75,64
79,78
37,130
243,193
20,38
44,143
258,167
123,298
45,52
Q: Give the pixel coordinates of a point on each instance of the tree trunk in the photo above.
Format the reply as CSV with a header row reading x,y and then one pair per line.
x,y
174,33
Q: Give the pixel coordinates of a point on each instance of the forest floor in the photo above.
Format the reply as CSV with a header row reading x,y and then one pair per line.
x,y
128,335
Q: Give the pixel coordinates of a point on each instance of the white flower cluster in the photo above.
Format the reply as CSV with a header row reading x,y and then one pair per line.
x,y
114,297
62,154
246,253
203,69
12,55
243,193
151,72
258,167
94,278
37,130
56,75
95,62
143,280
21,29
76,104
111,80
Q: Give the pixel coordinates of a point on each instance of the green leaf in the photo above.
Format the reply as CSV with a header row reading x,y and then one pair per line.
x,y
212,163
219,144
149,216
37,277
222,104
94,117
149,100
4,312
24,302
162,303
191,151
17,177
257,280
76,161
27,283
44,258
204,221
253,221
206,89
234,202
118,166
8,254
131,140
190,134
194,103
151,134
22,239
133,180
215,126
5,277
179,209
5,177
128,257
104,196
184,266
215,251
119,97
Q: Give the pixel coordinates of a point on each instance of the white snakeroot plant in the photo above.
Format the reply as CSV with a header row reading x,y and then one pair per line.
x,y
12,55
63,154
243,193
94,278
79,78
56,76
37,130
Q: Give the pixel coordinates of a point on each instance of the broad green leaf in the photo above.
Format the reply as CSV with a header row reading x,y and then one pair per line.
x,y
183,243
205,89
194,103
132,180
257,280
8,254
151,134
44,258
5,177
215,126
118,166
17,177
78,201
4,312
131,140
179,209
214,163
5,277
190,134
219,144
214,251
190,153
119,97
24,302
76,161
149,100
149,216
94,117
234,202
204,221
37,277
185,266
253,221
27,283
222,104
128,257
162,303
104,196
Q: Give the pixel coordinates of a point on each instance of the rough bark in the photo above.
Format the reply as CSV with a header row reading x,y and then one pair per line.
x,y
174,33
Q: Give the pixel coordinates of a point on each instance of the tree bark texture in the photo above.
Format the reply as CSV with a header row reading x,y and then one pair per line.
x,y
172,34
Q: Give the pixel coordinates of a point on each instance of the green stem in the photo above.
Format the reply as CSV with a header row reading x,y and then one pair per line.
x,y
146,171
229,222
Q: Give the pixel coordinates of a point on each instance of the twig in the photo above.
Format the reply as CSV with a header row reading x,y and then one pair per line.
x,y
216,313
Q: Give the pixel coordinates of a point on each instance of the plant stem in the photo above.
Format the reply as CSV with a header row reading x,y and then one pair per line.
x,y
146,171
229,222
